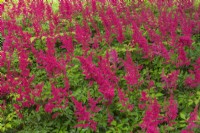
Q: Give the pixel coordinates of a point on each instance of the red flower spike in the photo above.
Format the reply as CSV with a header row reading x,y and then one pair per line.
x,y
132,76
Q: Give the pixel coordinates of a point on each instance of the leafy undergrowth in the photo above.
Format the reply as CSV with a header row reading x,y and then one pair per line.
x,y
100,66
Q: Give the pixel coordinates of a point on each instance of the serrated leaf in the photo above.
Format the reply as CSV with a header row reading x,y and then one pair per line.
x,y
43,37
159,94
32,39
182,115
197,101
182,125
114,123
8,125
190,102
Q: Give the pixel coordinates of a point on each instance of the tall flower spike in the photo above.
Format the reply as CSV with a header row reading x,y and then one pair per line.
x,y
138,38
171,110
151,120
132,71
83,116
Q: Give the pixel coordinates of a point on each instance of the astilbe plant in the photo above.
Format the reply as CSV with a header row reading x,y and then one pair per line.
x,y
143,100
193,80
171,111
192,121
170,80
83,116
117,45
133,75
152,117
124,100
102,74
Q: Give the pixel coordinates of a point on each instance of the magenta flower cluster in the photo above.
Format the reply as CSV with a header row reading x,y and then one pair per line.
x,y
95,33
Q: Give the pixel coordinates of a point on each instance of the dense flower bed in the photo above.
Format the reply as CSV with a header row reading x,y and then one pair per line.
x,y
100,66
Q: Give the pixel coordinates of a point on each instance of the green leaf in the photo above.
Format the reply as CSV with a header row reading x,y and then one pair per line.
x,y
32,39
114,123
8,125
109,131
120,125
182,125
182,115
190,102
159,94
43,38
